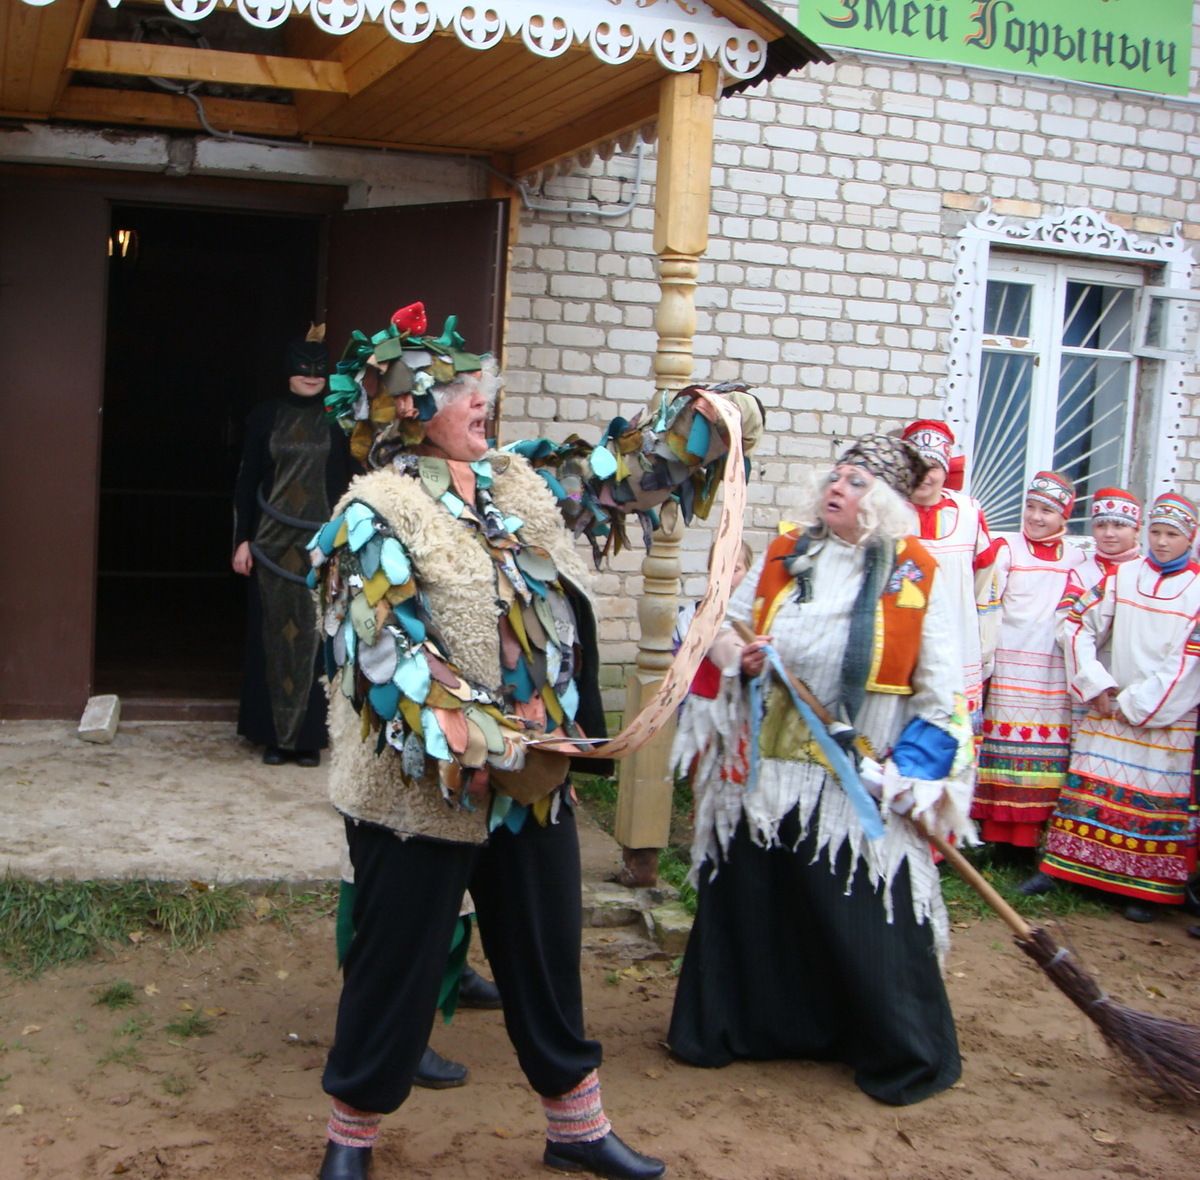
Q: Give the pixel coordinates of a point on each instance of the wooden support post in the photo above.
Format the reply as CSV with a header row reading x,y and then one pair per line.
x,y
683,196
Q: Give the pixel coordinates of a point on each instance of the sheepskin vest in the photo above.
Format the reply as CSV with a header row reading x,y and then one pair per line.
x,y
458,578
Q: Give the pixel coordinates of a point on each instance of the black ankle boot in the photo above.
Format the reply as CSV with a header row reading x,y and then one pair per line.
x,y
436,1073
345,1163
609,1156
476,992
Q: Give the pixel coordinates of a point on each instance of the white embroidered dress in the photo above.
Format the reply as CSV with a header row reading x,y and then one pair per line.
x,y
1122,821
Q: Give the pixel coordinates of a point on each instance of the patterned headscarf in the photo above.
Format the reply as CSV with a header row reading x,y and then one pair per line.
x,y
932,438
1118,505
894,460
1053,490
1177,511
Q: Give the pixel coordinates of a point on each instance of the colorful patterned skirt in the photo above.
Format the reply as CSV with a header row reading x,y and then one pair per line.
x,y
1122,820
1026,748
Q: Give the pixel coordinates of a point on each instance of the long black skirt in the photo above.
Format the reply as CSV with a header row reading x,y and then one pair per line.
x,y
782,963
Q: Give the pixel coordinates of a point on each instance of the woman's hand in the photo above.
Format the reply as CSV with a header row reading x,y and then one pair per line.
x,y
243,559
1104,704
754,658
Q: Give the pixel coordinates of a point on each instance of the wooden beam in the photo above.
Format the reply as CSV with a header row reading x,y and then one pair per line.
x,y
141,108
83,22
207,65
627,114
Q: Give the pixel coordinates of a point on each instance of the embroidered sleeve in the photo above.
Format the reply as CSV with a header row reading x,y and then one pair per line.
x,y
1082,629
677,454
382,653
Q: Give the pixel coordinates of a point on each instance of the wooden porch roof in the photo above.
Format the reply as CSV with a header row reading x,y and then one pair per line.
x,y
428,76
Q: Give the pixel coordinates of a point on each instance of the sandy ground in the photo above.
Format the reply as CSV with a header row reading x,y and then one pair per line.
x,y
90,1092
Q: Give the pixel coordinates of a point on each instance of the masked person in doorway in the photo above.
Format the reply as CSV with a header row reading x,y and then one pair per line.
x,y
458,630
295,464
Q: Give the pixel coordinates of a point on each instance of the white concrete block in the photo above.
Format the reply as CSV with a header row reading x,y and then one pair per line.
x,y
101,716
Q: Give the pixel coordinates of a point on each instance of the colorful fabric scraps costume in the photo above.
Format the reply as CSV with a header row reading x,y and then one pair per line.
x,y
1121,823
812,940
454,630
1027,718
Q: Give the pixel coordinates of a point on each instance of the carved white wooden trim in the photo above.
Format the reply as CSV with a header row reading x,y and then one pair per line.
x,y
680,33
1078,232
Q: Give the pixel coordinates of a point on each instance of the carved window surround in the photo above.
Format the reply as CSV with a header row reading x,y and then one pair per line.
x,y
1086,234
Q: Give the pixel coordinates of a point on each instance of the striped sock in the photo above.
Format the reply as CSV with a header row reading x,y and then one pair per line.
x,y
352,1128
578,1115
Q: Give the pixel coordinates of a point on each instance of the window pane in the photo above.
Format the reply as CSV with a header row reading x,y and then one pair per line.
x,y
1095,316
1002,436
1089,433
1007,309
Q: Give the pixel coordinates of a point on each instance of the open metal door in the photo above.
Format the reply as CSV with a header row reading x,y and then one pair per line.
x,y
451,257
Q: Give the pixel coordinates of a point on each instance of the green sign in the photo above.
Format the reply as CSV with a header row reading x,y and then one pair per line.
x,y
1141,44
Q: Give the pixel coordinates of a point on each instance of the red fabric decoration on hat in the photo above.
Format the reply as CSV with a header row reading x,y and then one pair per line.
x,y
1054,490
932,438
1118,505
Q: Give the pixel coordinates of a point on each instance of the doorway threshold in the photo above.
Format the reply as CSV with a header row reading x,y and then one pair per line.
x,y
178,709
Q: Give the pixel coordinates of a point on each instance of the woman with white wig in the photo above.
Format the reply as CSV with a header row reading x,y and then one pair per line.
x,y
821,920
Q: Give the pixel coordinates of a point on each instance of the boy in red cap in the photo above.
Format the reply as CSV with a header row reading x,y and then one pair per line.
x,y
954,529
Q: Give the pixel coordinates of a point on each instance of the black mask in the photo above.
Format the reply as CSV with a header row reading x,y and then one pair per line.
x,y
307,358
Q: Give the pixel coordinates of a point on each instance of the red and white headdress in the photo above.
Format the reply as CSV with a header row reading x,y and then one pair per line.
x,y
1177,511
933,439
1052,489
1116,504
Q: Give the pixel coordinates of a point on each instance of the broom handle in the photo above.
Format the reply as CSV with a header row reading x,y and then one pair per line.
x,y
963,867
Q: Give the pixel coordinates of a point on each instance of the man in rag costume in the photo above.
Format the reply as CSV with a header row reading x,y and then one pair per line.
x,y
458,629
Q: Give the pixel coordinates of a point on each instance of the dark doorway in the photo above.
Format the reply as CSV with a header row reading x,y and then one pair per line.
x,y
200,307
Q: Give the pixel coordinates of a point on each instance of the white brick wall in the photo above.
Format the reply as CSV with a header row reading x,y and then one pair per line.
x,y
837,195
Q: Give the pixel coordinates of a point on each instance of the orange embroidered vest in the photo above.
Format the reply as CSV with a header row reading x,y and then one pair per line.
x,y
899,615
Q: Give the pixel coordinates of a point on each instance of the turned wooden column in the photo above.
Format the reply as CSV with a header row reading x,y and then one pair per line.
x,y
687,104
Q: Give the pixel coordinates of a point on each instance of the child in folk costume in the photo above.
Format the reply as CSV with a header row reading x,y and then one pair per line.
x,y
1121,823
954,529
1116,521
1027,717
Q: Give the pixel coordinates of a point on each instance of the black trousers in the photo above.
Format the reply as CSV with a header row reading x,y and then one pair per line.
x,y
783,963
526,889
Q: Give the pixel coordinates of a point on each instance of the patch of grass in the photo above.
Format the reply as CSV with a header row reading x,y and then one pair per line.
x,y
45,924
1062,902
673,867
612,978
126,1054
286,905
598,793
116,995
133,1028
176,1086
191,1024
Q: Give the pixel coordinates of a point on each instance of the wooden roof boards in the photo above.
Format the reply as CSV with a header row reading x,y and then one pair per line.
x,y
530,95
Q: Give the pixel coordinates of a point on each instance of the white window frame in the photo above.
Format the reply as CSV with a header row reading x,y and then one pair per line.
x,y
1085,236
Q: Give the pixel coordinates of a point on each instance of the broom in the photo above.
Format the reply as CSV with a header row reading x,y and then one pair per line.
x,y
1168,1051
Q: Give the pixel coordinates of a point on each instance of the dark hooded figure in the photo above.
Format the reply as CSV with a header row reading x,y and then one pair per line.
x,y
295,464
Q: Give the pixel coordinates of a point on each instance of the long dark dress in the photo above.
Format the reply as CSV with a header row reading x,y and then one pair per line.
x,y
295,461
782,962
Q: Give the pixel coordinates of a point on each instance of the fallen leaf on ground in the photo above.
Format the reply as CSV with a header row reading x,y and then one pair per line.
x,y
1104,1137
30,1029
